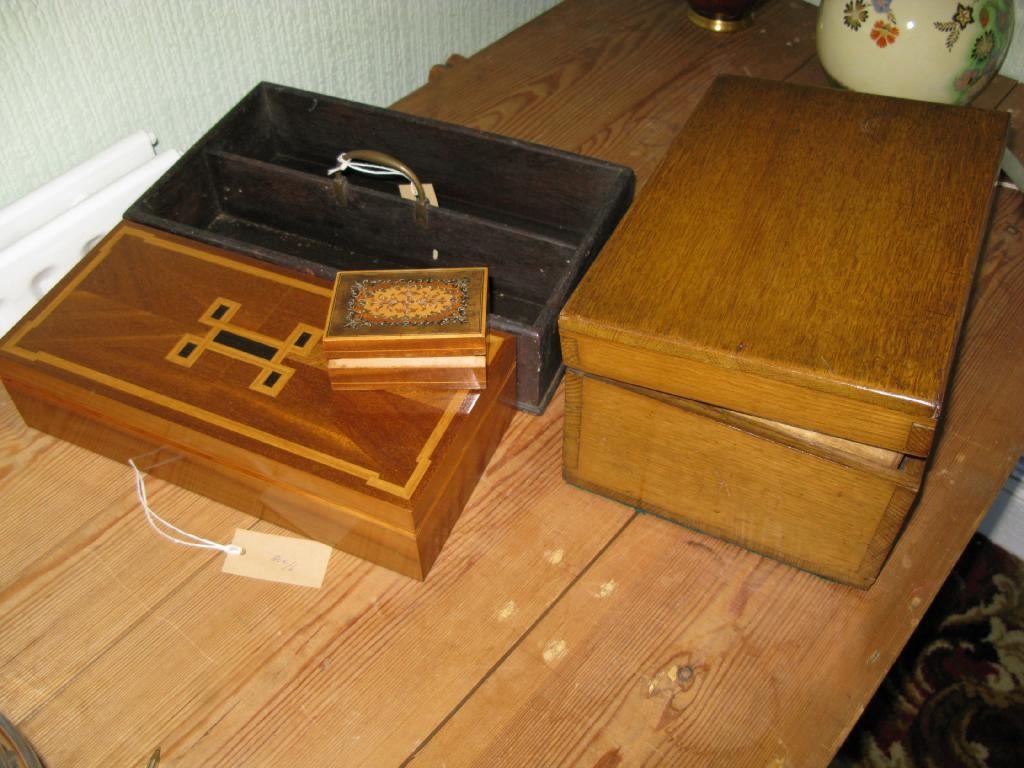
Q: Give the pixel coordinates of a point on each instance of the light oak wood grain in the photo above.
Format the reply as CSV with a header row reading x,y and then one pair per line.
x,y
769,250
29,458
768,269
780,399
102,570
825,513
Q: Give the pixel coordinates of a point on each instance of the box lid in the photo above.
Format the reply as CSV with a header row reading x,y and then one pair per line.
x,y
422,312
219,357
803,255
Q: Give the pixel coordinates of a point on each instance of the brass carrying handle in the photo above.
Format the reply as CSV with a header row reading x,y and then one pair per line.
x,y
386,161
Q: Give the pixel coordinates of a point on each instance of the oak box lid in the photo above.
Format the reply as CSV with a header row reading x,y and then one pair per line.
x,y
803,255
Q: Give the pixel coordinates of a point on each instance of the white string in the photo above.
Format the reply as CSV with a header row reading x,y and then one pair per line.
x,y
372,169
152,518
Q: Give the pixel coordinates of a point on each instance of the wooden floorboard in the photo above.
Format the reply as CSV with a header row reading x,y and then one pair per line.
x,y
622,96
74,583
216,667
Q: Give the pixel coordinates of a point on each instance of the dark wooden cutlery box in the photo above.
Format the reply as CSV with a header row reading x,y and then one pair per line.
x,y
257,184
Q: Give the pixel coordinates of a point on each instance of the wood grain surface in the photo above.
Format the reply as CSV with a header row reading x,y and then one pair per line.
x,y
811,508
678,649
519,649
767,248
116,360
770,269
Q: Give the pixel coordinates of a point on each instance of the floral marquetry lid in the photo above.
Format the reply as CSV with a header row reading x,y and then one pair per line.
x,y
408,310
933,50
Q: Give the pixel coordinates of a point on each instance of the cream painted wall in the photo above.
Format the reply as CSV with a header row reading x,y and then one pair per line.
x,y
77,75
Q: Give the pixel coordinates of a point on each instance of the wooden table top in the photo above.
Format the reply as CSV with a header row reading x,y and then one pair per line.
x,y
557,627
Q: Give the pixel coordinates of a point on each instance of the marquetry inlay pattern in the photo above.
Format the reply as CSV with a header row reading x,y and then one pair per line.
x,y
264,352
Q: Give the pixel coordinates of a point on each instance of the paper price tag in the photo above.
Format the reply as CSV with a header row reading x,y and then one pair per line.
x,y
283,559
408,192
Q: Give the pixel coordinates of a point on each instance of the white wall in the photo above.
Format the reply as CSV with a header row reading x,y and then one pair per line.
x,y
76,75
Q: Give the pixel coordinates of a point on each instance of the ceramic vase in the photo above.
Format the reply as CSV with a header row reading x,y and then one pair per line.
x,y
934,50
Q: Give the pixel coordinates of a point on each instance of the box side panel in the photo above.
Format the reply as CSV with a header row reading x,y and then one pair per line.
x,y
889,526
196,439
572,424
530,389
317,518
437,377
457,484
772,498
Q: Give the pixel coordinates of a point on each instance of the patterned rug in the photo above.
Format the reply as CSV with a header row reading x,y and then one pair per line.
x,y
955,697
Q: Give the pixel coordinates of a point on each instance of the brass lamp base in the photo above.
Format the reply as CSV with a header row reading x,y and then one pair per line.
x,y
718,24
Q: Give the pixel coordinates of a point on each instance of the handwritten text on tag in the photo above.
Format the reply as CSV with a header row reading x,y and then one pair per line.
x,y
278,558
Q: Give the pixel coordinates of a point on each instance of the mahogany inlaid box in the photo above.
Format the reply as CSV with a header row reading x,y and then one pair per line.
x,y
257,183
763,348
207,368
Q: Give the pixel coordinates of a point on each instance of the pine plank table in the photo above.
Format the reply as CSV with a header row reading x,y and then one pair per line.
x,y
557,628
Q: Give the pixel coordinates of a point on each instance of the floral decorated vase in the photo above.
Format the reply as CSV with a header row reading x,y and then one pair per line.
x,y
933,50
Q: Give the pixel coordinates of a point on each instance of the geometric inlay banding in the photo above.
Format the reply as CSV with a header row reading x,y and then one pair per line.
x,y
265,352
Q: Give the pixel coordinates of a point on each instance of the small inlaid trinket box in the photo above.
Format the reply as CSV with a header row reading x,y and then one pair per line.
x,y
408,328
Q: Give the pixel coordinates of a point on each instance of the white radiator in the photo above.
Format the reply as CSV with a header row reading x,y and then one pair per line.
x,y
45,233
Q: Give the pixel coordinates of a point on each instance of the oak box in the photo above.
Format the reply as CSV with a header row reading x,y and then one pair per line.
x,y
763,348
